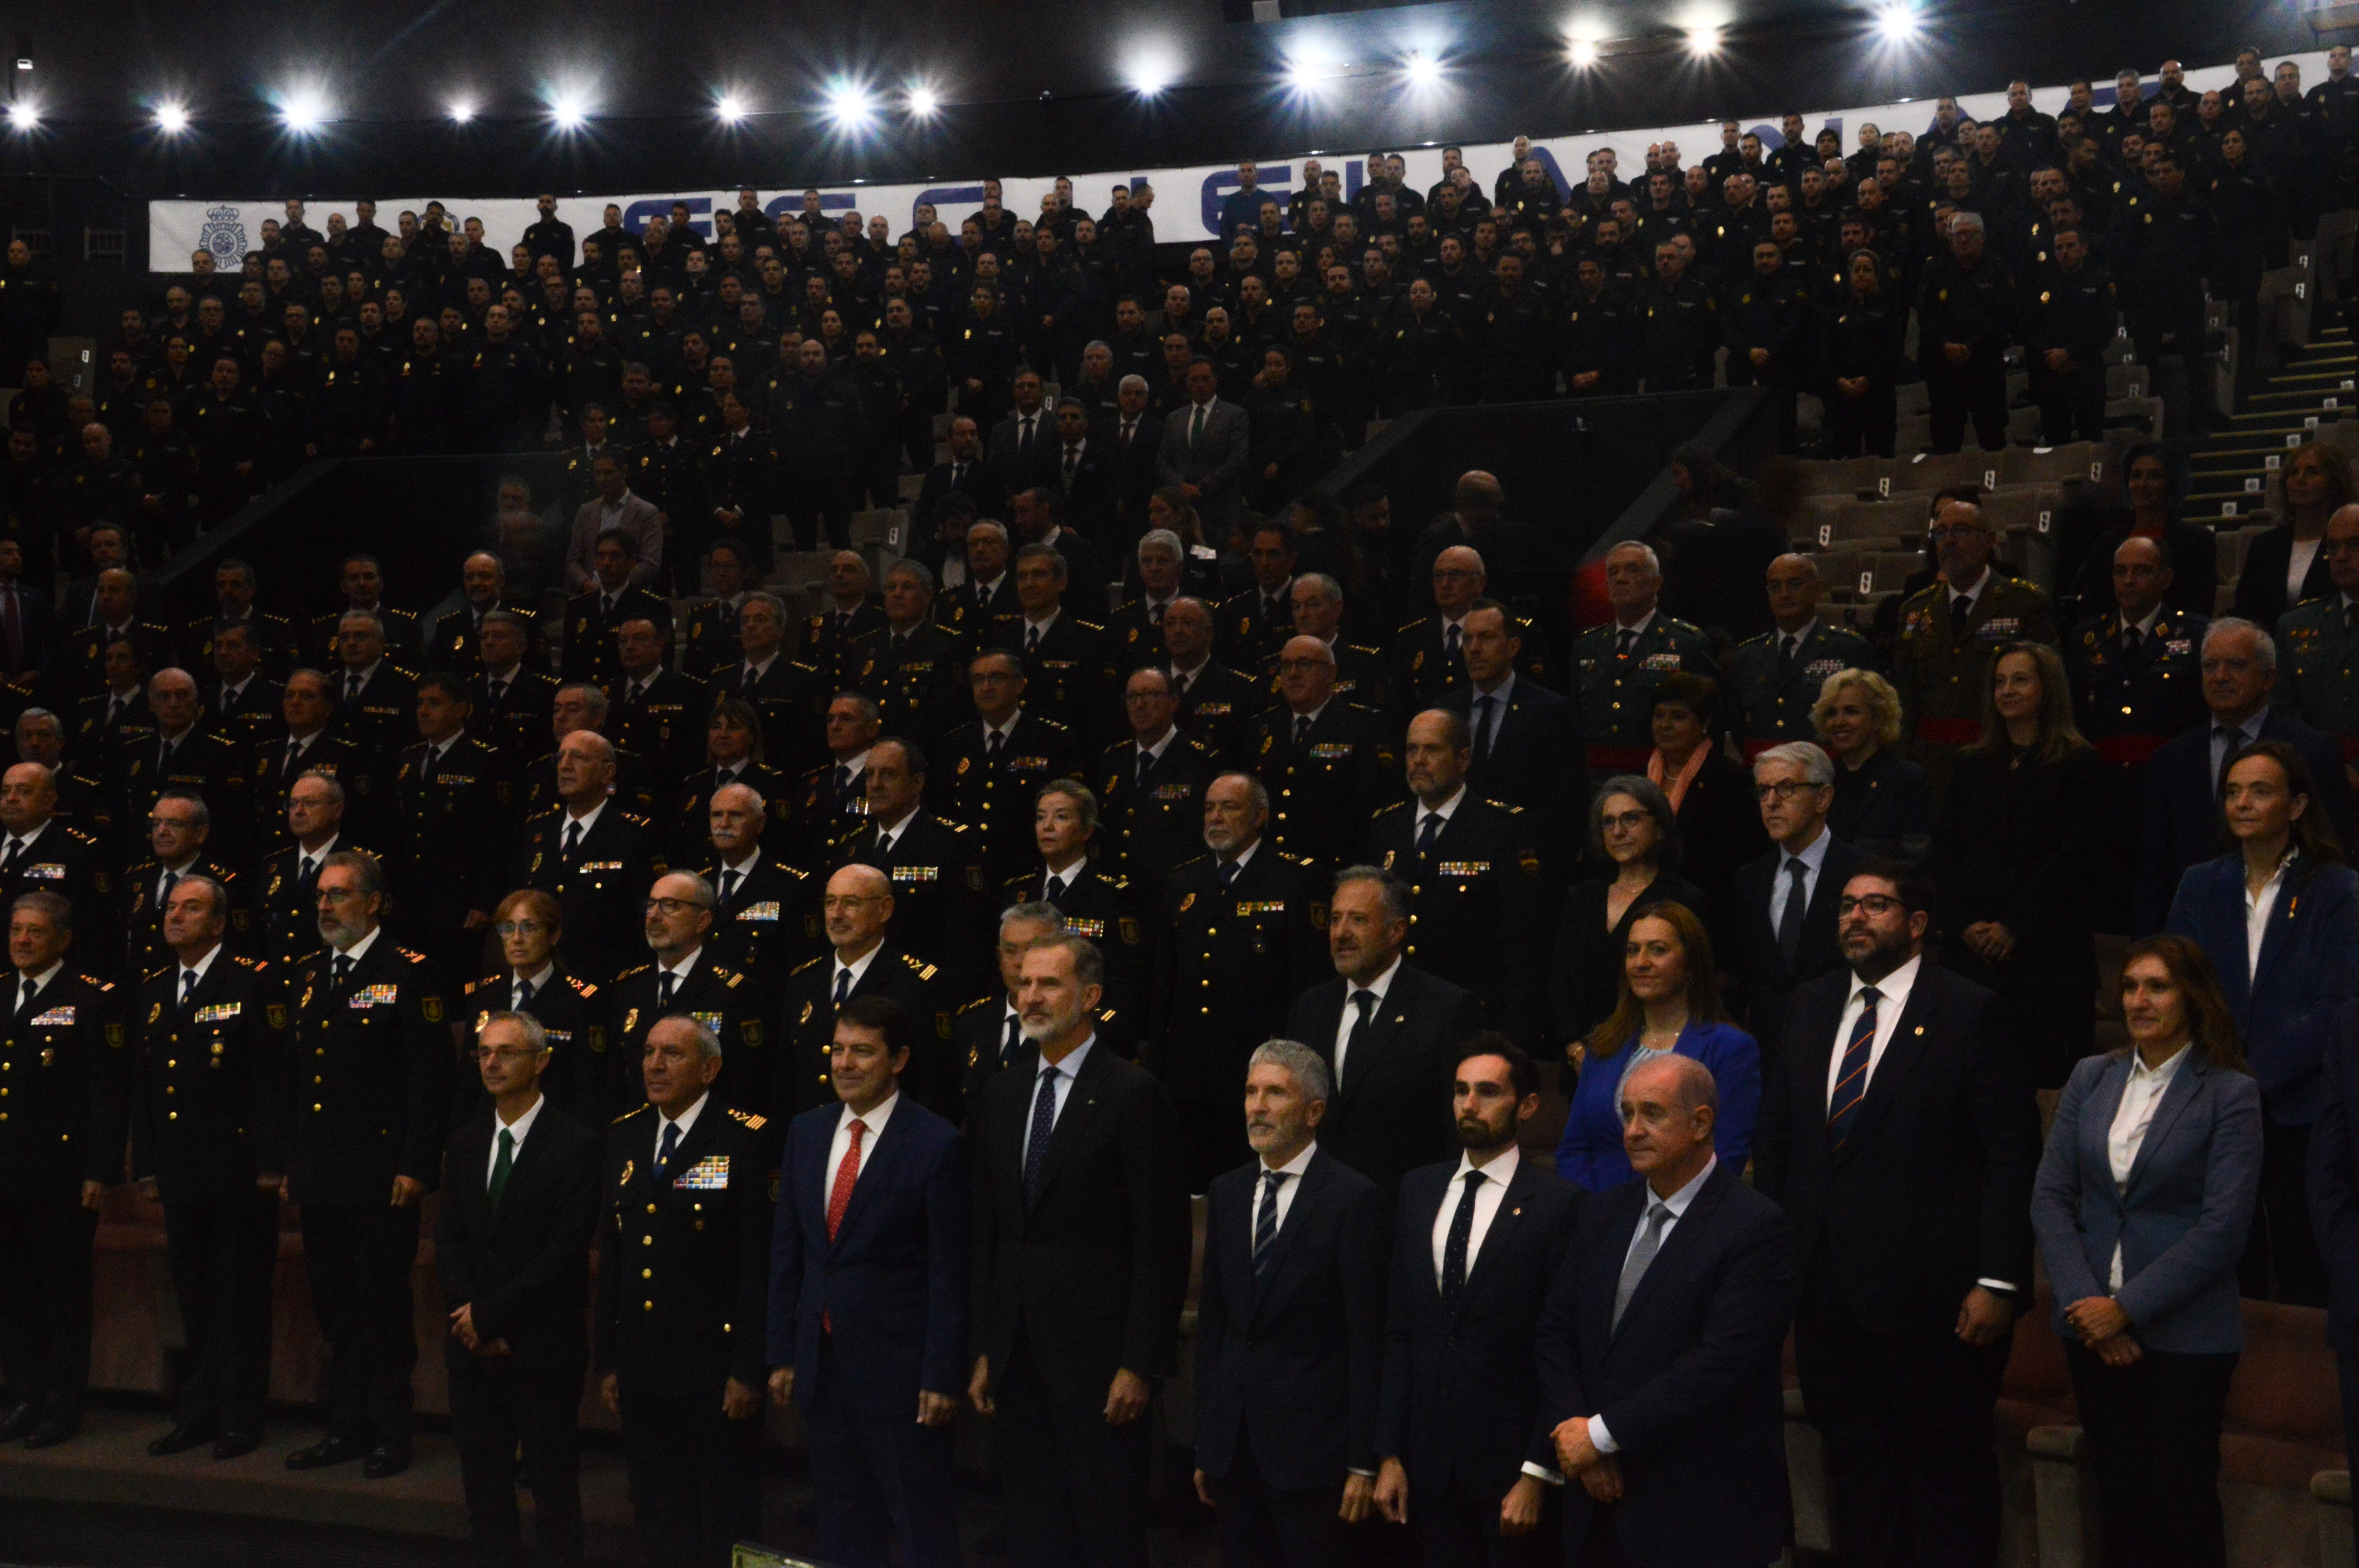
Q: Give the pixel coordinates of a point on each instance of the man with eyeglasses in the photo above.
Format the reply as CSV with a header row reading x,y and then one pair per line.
x,y
178,824
511,1249
1786,900
1330,763
1151,790
987,773
858,911
940,897
1951,633
286,905
372,1065
1899,1133
912,666
1215,704
311,745
1619,665
685,978
594,854
570,1010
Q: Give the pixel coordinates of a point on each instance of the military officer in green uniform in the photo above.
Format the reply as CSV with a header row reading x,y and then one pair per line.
x,y
2318,640
1619,665
1777,675
1952,631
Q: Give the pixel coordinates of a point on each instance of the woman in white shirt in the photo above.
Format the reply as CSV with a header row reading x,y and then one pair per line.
x,y
2141,1207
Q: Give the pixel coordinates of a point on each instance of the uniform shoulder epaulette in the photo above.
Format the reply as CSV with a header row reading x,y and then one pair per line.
x,y
94,981
471,986
545,813
1762,641
581,986
635,969
78,834
1088,625
806,964
1677,624
1413,625
412,954
401,670
1048,724
1363,648
1120,882
157,974
633,818
1388,810
1292,860
243,962
1017,882
925,971
1194,860
979,1002
953,826
729,978
752,1123
633,1111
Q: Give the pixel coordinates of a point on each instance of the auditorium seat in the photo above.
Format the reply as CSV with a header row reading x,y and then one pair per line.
x,y
1845,476
1923,473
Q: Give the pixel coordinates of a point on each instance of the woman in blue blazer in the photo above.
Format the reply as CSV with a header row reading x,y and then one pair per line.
x,y
2287,873
2143,1200
1670,1002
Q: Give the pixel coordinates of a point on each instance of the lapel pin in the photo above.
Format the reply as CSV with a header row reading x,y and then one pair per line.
x,y
1515,1211
1921,1029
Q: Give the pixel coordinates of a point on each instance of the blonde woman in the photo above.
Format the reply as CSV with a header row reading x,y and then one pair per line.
x,y
1883,802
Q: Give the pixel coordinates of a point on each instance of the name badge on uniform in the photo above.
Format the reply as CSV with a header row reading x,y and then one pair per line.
x,y
1249,907
217,1012
1660,662
1171,792
374,996
1216,709
1331,750
769,911
1030,763
707,1175
54,1018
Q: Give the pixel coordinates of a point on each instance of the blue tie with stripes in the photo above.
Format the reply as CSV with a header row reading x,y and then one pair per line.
x,y
1851,1080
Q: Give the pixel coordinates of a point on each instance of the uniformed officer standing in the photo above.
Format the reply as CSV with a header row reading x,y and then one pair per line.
x,y
1965,313
455,795
914,669
309,746
2069,322
1328,763
785,692
1244,930
286,910
1151,790
940,899
683,1287
592,618
178,830
2319,640
370,1071
39,853
63,1111
1777,675
210,1134
1094,902
686,976
765,911
989,771
1950,633
178,755
511,702
1215,704
863,960
595,857
572,1013
1620,663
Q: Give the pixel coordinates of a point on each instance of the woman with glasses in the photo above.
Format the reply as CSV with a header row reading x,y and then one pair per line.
x,y
532,980
2278,917
1634,842
2011,860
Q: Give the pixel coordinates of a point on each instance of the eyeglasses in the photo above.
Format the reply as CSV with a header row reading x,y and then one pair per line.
x,y
1625,821
669,906
338,895
520,928
1958,531
850,900
1296,666
1784,789
1878,904
502,1053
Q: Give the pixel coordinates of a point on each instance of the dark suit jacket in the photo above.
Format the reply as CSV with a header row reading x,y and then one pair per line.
x,y
1294,1363
1534,759
1690,1384
892,1283
1768,980
524,1267
2260,587
2335,1180
1462,1399
2180,824
1094,491
1134,476
1932,1189
1392,1111
1087,1277
979,484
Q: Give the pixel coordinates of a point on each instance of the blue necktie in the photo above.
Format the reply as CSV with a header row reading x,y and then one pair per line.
x,y
1454,1248
1851,1079
1266,1225
1044,1122
843,988
664,1152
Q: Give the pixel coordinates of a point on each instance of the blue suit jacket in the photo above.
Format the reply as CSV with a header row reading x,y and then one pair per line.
x,y
1691,1383
2180,1220
2335,1180
894,1280
2285,1007
1589,1153
2179,825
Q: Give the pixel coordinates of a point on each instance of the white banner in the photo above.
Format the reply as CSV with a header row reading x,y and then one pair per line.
x,y
1188,200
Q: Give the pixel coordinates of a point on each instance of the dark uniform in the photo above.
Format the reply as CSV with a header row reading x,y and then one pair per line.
x,y
720,999
1218,709
248,718
274,767
1064,673
599,886
143,909
664,723
1102,908
2130,700
275,638
456,817
383,715
994,798
1427,662
683,1287
792,705
63,861
709,642
1325,782
451,645
515,717
284,918
573,1012
2320,653
204,765
1776,688
1617,686
767,920
62,1123
1942,674
589,627
918,681
832,642
211,1119
689,825
1975,307
1153,820
1478,902
401,635
371,1076
806,1053
2077,312
941,906
1249,628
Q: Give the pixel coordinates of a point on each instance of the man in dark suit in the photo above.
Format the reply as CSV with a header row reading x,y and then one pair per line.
x,y
1899,1133
512,1250
1289,1330
1135,435
965,474
1785,902
1086,474
868,1283
1526,741
1461,1428
1018,449
2180,825
1659,1350
1206,446
1387,1031
1081,1262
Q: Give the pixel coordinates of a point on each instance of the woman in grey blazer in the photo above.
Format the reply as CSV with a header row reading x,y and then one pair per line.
x,y
2145,1195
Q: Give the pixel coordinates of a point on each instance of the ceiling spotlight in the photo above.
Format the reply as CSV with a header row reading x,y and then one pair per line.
x,y
302,112
1422,71
23,116
1703,40
569,110
1898,23
848,104
1583,52
924,103
730,108
461,111
171,117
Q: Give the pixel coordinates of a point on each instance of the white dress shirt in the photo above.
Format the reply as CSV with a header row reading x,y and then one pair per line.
x,y
1599,1437
2258,907
2141,1097
181,983
1814,859
685,1121
1292,1170
589,820
1066,1071
1446,810
1495,1178
1343,1025
538,982
875,1122
857,968
516,1130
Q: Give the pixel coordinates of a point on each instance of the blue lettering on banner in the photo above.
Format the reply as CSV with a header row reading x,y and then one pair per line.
x,y
792,206
941,196
700,208
1547,160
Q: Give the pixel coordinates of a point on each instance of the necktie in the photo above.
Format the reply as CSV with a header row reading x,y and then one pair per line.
x,y
1623,641
1426,832
1453,1250
8,866
1483,726
843,987
958,475
1155,614
606,605
294,760
1054,891
2350,618
1266,1225
1072,461
664,983
1146,764
728,885
1960,604
2228,740
501,1165
351,685
1850,1078
1362,1000
343,970
1789,647
900,641
188,986
523,995
114,709
12,628
1044,1122
308,874
663,1151
1196,426
992,747
25,994
1014,1041
1301,728
1790,923
751,680
842,780
572,838
1449,636
847,1171
164,749
1127,426
164,891
1642,1252
1024,438
2130,639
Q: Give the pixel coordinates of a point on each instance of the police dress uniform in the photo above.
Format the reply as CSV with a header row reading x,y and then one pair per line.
x,y
720,999
709,642
832,641
941,903
1777,684
1217,708
273,769
1101,907
663,720
1478,902
1151,816
766,919
381,714
1942,671
248,718
573,1012
211,1119
2319,644
2131,695
1325,778
456,811
371,1079
1618,674
64,1087
683,1288
515,716
55,857
792,706
633,788
601,884
451,645
809,1009
79,668
692,803
145,895
1427,662
401,634
592,620
142,767
1249,628
991,787
275,638
918,680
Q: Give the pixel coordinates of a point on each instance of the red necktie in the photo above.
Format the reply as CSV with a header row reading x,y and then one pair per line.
x,y
839,1195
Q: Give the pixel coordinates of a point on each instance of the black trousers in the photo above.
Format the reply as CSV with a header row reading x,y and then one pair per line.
x,y
817,499
878,1476
496,1406
2072,402
358,1257
45,1302
696,1476
2281,1261
1458,1526
1865,426
1912,1476
1074,1488
2154,1448
1975,390
1264,1526
221,1255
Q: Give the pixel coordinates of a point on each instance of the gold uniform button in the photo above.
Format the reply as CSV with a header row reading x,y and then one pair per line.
x,y
315,1110
171,1116
647,1274
650,1305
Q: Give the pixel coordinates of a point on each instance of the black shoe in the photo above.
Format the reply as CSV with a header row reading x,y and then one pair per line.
x,y
235,1444
180,1439
385,1459
53,1431
18,1420
326,1452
